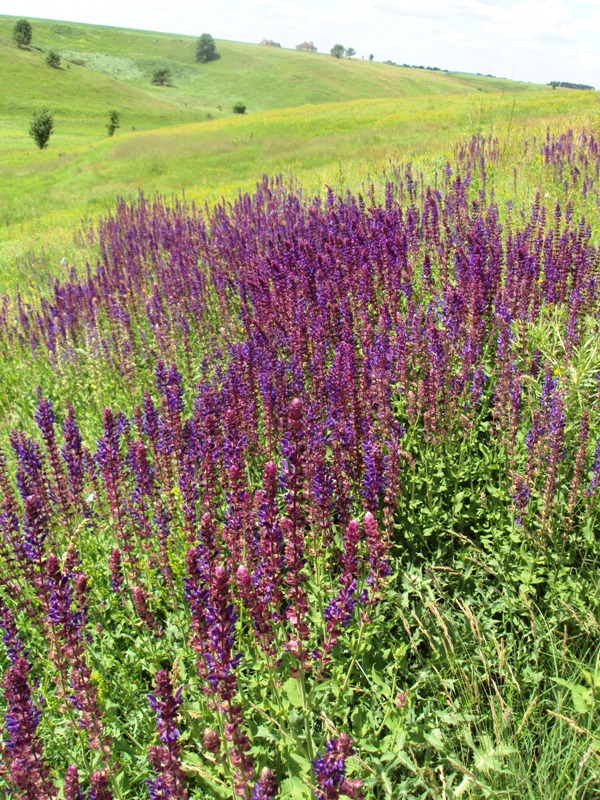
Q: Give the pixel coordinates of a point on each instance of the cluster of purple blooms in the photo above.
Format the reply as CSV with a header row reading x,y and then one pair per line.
x,y
330,771
344,325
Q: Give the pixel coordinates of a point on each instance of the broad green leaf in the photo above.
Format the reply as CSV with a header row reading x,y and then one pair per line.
x,y
294,788
292,692
582,697
435,738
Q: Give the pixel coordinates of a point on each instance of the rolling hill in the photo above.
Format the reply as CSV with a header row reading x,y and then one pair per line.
x,y
329,121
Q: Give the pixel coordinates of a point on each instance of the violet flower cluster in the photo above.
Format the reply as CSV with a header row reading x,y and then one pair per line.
x,y
165,758
330,771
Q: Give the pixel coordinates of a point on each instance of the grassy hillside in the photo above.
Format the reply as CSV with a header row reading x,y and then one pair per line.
x,y
185,137
263,77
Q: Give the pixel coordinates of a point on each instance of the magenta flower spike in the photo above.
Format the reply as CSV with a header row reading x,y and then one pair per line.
x,y
99,788
379,567
72,788
330,771
165,758
22,753
265,787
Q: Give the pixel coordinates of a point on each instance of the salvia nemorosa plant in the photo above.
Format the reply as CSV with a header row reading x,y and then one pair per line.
x,y
318,368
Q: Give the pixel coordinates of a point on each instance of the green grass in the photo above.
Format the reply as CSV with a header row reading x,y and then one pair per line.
x,y
331,122
263,77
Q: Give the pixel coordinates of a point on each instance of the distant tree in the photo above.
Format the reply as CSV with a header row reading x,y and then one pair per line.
x,y
161,77
338,50
371,57
239,108
309,47
270,43
350,52
569,85
114,122
53,59
206,49
22,32
42,124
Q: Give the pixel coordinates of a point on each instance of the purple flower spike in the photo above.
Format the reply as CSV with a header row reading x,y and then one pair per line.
x,y
165,704
592,486
22,754
99,789
12,642
116,571
72,789
170,781
265,787
378,561
330,771
72,453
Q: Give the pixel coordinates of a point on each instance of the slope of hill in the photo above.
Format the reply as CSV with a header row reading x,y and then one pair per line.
x,y
330,121
263,77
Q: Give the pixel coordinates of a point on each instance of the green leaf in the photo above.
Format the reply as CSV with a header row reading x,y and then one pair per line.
x,y
295,789
582,697
435,738
458,502
292,692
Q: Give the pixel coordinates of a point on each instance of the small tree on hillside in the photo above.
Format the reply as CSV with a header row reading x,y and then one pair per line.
x,y
206,49
161,77
338,50
41,127
22,32
350,52
53,59
239,108
114,122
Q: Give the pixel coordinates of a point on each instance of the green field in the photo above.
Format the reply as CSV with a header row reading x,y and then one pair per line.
x,y
330,122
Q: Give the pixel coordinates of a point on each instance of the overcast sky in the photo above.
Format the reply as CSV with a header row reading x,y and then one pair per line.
x,y
529,40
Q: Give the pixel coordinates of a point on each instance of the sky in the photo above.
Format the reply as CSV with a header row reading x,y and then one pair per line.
x,y
528,40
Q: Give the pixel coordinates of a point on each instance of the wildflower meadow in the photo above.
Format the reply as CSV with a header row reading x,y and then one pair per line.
x,y
303,498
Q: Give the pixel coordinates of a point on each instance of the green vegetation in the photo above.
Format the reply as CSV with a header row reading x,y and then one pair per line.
x,y
206,49
162,77
185,139
453,241
53,59
114,122
22,32
41,127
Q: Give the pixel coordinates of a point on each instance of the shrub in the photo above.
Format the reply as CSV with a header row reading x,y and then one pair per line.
x,y
22,32
162,77
41,127
53,59
206,50
114,122
239,108
338,50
